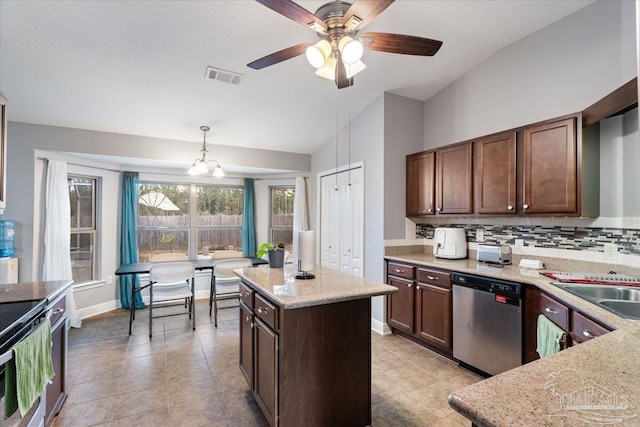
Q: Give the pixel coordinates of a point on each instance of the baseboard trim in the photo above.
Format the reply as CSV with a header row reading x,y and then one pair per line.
x,y
94,310
380,327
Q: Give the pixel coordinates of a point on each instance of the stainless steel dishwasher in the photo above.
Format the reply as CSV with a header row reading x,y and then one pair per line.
x,y
487,323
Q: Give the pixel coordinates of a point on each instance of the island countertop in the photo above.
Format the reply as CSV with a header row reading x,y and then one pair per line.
x,y
33,290
597,381
329,286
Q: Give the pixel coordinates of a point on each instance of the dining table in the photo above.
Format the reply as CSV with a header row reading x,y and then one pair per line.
x,y
136,268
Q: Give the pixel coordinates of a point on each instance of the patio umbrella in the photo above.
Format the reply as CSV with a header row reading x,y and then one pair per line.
x,y
158,200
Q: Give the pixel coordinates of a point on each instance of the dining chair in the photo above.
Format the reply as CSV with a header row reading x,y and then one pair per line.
x,y
223,275
172,281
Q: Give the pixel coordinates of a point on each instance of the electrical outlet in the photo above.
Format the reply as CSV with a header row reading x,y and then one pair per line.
x,y
109,280
610,252
519,243
480,235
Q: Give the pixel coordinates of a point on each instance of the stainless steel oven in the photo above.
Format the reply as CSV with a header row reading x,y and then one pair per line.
x,y
17,321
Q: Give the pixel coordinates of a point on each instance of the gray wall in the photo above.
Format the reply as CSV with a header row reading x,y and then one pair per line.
x,y
367,140
403,130
561,69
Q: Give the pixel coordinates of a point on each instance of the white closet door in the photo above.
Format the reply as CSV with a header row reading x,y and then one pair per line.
x,y
342,222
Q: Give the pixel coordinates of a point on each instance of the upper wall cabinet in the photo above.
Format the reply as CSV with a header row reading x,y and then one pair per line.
x,y
454,182
440,181
549,167
421,184
495,173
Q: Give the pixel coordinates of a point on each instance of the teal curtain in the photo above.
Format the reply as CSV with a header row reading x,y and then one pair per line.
x,y
129,238
249,220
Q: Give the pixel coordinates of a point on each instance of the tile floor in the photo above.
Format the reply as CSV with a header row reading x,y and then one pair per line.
x,y
187,378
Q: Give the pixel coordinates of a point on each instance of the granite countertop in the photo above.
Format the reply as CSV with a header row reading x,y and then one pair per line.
x,y
329,286
33,291
597,381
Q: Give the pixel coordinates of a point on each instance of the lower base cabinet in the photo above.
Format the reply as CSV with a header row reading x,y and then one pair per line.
x,y
57,390
308,366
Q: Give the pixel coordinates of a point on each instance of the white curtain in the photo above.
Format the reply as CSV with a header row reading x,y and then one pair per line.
x,y
300,215
57,233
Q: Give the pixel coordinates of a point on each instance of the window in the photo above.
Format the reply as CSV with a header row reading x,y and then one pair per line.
x,y
219,220
281,230
169,219
163,220
82,198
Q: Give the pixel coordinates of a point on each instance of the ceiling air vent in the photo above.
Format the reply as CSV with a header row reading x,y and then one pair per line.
x,y
223,75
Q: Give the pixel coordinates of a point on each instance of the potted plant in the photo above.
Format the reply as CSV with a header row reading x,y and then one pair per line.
x,y
275,253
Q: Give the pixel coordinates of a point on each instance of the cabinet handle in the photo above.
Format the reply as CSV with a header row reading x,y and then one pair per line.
x,y
409,285
262,310
58,311
430,210
432,277
248,318
587,334
525,206
550,310
438,209
399,271
245,294
509,208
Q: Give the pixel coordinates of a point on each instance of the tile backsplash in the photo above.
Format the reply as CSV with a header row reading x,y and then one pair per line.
x,y
545,236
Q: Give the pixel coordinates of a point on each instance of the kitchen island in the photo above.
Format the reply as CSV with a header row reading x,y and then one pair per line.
x,y
596,382
305,345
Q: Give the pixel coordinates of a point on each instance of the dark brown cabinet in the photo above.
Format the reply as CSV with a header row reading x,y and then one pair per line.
x,y
57,390
549,167
295,360
434,308
454,182
422,307
421,184
579,328
266,370
246,344
584,329
495,174
400,306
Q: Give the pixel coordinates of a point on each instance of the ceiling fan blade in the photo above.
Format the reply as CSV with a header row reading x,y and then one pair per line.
x,y
283,55
296,13
366,11
399,43
342,80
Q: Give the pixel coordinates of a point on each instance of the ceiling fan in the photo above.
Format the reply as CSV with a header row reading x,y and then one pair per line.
x,y
337,55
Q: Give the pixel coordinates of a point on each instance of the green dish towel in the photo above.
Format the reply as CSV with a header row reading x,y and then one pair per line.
x,y
549,336
30,370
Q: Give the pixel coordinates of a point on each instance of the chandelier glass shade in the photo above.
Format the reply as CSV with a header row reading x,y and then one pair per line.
x,y
201,166
322,56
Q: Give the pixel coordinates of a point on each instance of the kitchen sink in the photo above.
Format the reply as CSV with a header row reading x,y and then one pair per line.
x,y
621,300
604,292
630,309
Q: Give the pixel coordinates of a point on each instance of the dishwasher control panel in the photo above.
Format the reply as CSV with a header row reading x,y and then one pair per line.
x,y
488,284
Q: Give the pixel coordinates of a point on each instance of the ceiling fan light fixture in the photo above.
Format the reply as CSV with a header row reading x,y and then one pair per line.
x,y
318,54
353,69
351,50
329,70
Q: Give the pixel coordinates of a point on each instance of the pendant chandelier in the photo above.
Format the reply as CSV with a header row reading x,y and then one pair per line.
x,y
201,166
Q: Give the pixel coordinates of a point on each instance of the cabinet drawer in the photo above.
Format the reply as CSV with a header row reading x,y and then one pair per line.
x,y
246,295
57,308
434,277
266,311
584,329
555,311
401,270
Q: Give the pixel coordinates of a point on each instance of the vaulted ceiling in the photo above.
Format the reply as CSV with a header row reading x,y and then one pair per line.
x,y
138,67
